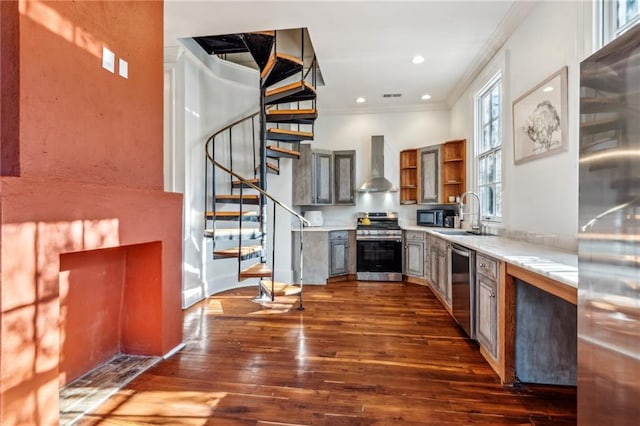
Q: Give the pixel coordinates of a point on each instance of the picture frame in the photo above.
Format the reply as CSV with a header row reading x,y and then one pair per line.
x,y
540,119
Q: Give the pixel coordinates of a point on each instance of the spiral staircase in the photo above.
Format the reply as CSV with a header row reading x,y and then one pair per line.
x,y
238,207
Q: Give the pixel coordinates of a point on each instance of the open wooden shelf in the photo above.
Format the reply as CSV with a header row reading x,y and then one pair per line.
x,y
453,169
409,176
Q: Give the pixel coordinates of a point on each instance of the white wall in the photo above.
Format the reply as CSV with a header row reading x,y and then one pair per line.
x,y
205,95
401,130
541,196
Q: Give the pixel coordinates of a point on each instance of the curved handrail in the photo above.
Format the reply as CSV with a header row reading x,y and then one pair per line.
x,y
227,127
260,190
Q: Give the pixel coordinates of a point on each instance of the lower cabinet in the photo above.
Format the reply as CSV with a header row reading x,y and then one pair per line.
x,y
414,253
326,254
338,253
487,303
439,271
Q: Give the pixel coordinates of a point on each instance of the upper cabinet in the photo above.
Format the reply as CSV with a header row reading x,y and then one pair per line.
x,y
430,174
409,176
454,170
324,177
312,174
434,174
344,166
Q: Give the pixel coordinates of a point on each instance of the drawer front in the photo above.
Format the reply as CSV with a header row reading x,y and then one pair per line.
x,y
439,244
414,236
338,235
486,266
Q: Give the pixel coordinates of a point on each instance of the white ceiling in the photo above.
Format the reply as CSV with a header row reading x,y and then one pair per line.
x,y
365,47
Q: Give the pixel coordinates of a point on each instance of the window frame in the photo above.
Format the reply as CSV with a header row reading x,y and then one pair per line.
x,y
605,23
487,88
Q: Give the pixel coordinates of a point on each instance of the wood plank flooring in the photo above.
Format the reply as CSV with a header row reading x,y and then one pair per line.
x,y
362,353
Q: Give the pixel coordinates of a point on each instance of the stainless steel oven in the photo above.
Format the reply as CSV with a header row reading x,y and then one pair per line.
x,y
379,247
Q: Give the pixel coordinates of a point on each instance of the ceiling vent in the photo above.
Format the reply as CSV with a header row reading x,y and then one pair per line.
x,y
391,95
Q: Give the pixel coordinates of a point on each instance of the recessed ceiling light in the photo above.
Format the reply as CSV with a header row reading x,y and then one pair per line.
x,y
417,59
426,97
361,100
548,89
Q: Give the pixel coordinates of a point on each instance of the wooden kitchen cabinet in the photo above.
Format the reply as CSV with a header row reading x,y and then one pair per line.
x,y
344,166
327,254
487,303
313,177
453,169
439,273
409,176
414,253
338,253
430,174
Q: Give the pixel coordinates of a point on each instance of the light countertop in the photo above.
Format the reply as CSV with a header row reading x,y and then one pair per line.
x,y
327,228
559,265
556,264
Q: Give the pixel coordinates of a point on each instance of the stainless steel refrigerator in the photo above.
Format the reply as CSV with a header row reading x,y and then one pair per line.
x,y
609,237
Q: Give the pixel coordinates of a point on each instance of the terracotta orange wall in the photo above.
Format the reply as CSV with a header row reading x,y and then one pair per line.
x,y
9,85
91,286
90,178
79,122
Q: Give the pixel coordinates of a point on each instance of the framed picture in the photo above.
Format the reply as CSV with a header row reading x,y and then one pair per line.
x,y
540,119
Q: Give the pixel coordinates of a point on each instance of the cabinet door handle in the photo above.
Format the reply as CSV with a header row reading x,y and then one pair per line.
x,y
482,265
492,295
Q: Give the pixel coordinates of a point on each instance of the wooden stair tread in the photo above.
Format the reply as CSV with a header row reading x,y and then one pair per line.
x,y
279,67
244,197
271,168
237,251
232,214
290,132
274,59
284,151
291,86
280,289
257,270
237,183
299,91
291,111
233,233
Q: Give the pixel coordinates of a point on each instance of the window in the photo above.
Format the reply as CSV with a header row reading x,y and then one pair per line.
x,y
613,17
488,148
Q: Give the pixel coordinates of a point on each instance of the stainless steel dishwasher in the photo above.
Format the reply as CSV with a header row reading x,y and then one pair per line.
x,y
462,277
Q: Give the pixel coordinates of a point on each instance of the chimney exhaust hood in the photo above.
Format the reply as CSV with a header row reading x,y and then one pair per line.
x,y
377,182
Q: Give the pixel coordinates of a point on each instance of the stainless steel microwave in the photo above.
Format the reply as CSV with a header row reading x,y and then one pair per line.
x,y
435,217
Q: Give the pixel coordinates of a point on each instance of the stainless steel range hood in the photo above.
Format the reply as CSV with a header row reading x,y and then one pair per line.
x,y
377,182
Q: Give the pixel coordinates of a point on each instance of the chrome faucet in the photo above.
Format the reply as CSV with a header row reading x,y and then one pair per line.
x,y
478,226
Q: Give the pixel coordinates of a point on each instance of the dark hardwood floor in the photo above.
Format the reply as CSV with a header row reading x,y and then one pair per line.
x,y
362,353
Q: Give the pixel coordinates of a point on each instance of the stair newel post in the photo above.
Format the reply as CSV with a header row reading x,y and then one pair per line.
x,y
231,157
263,162
213,190
206,181
253,142
240,230
301,308
273,254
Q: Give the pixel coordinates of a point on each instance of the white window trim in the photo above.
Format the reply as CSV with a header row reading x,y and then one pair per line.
x,y
477,139
604,22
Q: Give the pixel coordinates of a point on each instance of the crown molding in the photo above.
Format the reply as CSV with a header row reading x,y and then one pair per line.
x,y
513,18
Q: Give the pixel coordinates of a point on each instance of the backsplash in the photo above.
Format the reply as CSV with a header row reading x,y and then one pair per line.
x,y
559,241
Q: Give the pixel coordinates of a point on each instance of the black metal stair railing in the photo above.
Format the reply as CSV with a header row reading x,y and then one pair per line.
x,y
302,221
